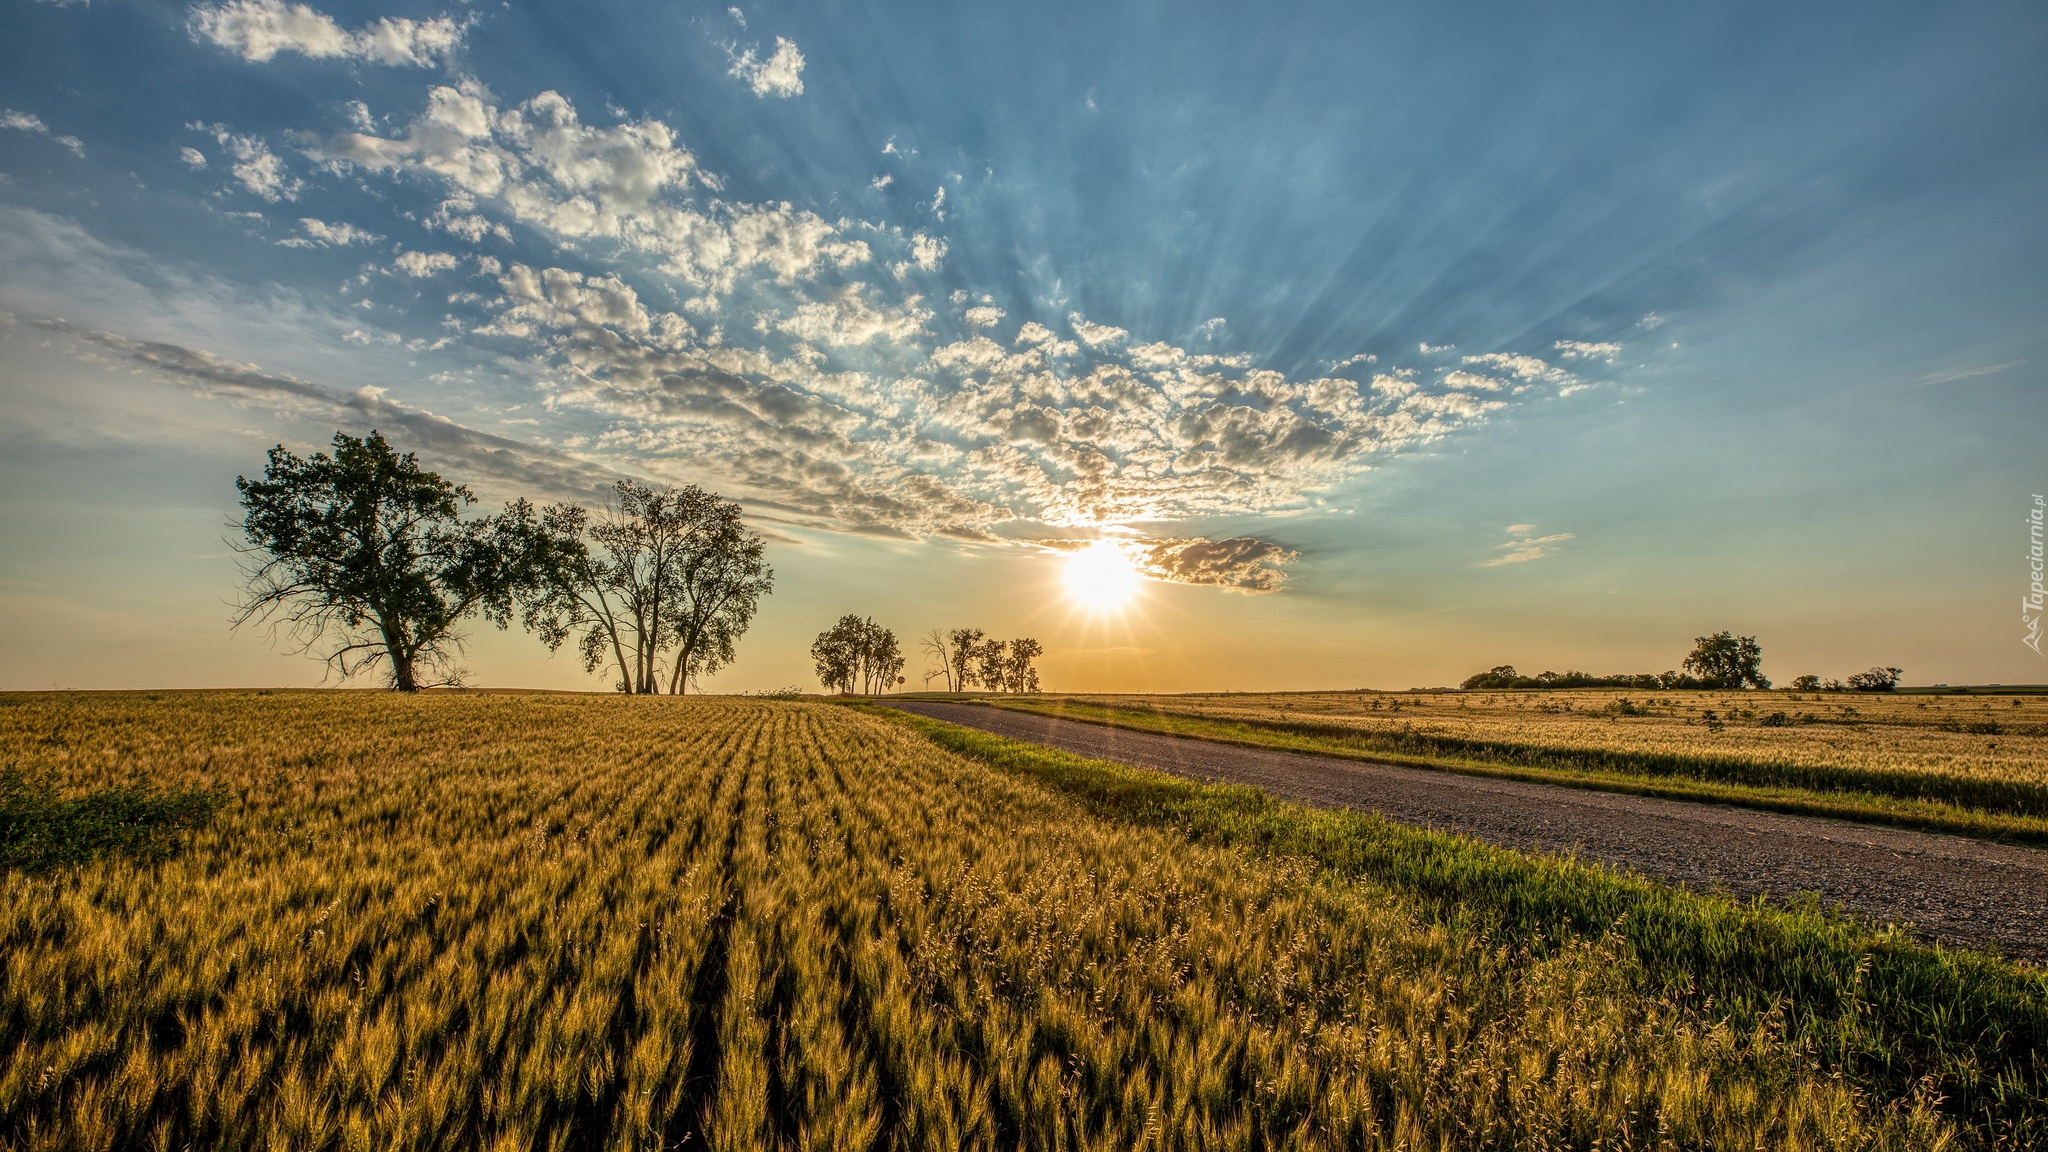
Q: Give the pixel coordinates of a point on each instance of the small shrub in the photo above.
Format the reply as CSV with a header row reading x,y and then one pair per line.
x,y
39,831
1775,720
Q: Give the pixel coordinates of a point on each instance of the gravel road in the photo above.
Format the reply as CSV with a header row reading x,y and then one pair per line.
x,y
1946,888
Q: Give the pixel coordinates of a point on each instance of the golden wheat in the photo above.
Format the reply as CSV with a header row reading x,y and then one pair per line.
x,y
569,922
1857,731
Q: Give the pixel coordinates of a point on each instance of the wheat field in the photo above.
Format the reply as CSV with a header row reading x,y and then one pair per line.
x,y
1953,755
562,922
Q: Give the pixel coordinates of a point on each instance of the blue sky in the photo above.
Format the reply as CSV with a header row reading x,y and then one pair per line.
x,y
1388,343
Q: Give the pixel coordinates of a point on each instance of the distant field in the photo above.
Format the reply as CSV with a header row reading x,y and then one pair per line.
x,y
1974,763
602,922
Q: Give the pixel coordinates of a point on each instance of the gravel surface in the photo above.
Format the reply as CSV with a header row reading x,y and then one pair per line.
x,y
1946,888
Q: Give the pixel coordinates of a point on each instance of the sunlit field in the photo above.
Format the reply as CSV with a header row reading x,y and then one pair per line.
x,y
1977,753
480,921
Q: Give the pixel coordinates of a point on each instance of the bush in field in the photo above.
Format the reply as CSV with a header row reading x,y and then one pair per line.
x,y
1875,680
39,831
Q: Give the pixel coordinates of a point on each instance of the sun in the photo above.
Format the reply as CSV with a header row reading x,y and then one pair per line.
x,y
1101,577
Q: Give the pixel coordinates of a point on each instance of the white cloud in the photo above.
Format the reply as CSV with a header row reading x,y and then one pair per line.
x,y
423,264
1952,375
192,157
1428,349
25,122
320,234
257,167
1524,546
1520,366
926,253
1584,350
1092,334
780,74
847,318
258,30
983,316
1469,380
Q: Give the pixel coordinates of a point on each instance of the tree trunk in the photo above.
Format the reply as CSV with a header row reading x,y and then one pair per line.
x,y
402,679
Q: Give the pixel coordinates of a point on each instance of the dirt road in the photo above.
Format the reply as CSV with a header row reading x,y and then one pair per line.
x,y
1947,888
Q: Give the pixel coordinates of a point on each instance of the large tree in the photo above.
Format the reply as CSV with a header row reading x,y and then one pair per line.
x,y
653,570
1725,660
365,556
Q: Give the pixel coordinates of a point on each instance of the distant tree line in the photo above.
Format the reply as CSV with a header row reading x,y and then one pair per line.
x,y
366,559
1721,661
1875,680
858,655
965,658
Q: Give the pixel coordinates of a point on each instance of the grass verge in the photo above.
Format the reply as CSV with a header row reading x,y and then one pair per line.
x,y
1907,800
39,831
1900,1020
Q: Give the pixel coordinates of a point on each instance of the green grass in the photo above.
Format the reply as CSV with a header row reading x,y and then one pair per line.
x,y
1987,809
39,830
1898,1019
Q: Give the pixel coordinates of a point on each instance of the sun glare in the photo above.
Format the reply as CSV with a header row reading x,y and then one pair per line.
x,y
1101,577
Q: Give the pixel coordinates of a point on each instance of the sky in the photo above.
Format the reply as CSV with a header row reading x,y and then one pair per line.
x,y
1217,346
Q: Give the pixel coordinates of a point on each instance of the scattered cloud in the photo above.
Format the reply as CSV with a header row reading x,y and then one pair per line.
x,y
419,265
1428,349
320,234
1951,375
1524,545
539,165
781,73
192,157
258,30
255,166
1094,335
1583,350
1521,367
25,122
1649,321
771,351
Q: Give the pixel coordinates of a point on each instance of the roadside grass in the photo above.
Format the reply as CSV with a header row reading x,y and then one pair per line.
x,y
1897,1019
41,830
1990,809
